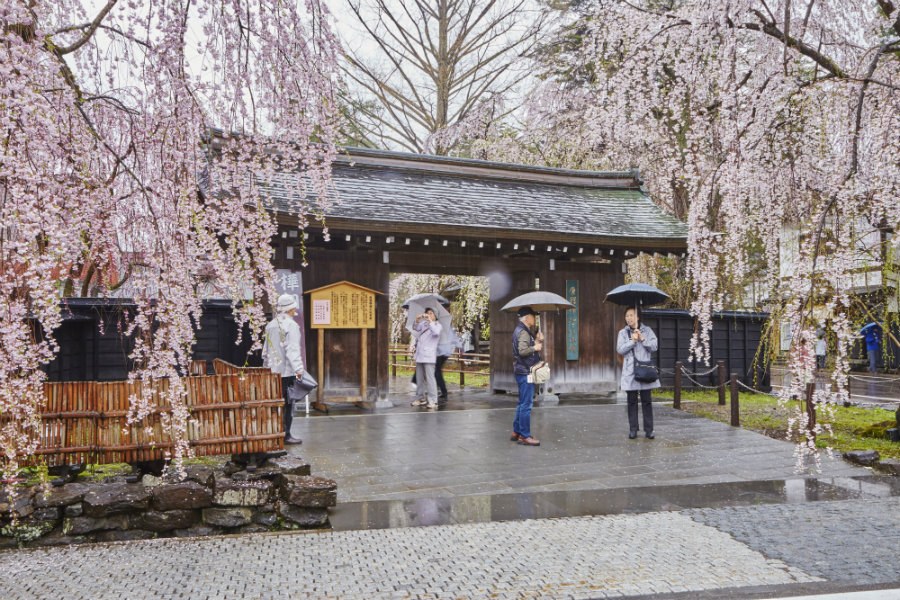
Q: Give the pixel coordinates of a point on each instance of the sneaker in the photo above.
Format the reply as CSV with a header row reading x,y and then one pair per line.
x,y
293,441
431,405
515,437
419,402
529,441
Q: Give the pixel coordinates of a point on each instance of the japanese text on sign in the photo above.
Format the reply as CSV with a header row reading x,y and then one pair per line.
x,y
572,320
321,312
343,306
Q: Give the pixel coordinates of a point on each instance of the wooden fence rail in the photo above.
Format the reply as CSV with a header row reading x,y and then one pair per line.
x,y
458,358
235,411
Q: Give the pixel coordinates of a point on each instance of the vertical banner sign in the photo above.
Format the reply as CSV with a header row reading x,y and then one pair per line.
x,y
291,282
572,320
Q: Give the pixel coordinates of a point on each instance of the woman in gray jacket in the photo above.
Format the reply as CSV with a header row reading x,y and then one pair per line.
x,y
636,341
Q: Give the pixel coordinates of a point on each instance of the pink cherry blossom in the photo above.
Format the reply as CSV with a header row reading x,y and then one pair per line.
x,y
109,133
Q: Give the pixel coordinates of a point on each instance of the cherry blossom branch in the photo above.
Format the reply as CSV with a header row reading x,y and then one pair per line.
x,y
105,27
61,51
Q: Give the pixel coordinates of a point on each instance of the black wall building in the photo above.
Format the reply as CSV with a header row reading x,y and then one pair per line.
x,y
93,345
735,339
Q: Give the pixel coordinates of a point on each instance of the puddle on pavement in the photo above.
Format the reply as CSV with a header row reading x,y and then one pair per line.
x,y
384,514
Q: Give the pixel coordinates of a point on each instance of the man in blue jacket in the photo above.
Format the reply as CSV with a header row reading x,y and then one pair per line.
x,y
526,354
873,345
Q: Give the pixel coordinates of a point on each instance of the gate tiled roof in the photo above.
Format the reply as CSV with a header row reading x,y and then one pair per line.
x,y
393,191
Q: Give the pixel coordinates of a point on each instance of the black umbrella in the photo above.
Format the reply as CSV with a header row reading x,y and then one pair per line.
x,y
636,294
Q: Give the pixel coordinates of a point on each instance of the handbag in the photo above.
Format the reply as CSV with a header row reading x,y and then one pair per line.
x,y
540,373
644,370
302,387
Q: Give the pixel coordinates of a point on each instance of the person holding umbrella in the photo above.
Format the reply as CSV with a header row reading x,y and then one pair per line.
x,y
872,333
637,341
526,354
429,330
527,346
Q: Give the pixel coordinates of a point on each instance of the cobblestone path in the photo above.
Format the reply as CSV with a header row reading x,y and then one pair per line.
x,y
853,540
578,557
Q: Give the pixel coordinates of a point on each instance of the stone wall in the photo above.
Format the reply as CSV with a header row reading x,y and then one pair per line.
x,y
235,497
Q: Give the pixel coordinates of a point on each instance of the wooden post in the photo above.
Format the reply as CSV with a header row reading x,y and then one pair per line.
x,y
462,376
720,376
810,409
676,402
735,408
393,363
364,363
320,395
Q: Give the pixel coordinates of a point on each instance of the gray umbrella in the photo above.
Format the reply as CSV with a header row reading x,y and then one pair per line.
x,y
538,301
426,298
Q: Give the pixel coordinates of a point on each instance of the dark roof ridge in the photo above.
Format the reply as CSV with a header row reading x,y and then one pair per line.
x,y
473,167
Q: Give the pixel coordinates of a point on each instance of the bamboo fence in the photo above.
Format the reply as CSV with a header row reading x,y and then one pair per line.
x,y
233,412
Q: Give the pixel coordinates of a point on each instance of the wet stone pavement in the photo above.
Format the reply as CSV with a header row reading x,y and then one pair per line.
x,y
443,505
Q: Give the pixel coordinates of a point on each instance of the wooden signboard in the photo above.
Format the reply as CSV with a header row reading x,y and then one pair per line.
x,y
342,305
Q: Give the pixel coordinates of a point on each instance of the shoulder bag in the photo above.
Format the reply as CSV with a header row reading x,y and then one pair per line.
x,y
540,373
644,370
302,387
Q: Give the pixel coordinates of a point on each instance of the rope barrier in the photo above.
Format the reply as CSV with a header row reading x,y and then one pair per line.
x,y
708,387
702,373
698,374
755,391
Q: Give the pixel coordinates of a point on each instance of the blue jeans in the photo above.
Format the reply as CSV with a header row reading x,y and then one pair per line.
x,y
873,360
522,422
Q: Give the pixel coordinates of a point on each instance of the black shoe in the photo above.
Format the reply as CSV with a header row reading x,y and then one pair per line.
x,y
632,435
650,436
292,440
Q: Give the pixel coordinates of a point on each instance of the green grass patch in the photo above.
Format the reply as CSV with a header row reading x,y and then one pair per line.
x,y
853,427
95,472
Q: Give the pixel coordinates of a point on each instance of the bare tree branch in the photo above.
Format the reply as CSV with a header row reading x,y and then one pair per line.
x,y
445,55
770,28
854,156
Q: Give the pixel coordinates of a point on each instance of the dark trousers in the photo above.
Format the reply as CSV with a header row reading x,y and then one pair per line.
x,y
647,407
439,375
286,383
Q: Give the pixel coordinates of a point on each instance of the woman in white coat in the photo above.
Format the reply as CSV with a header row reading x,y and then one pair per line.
x,y
636,341
281,353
